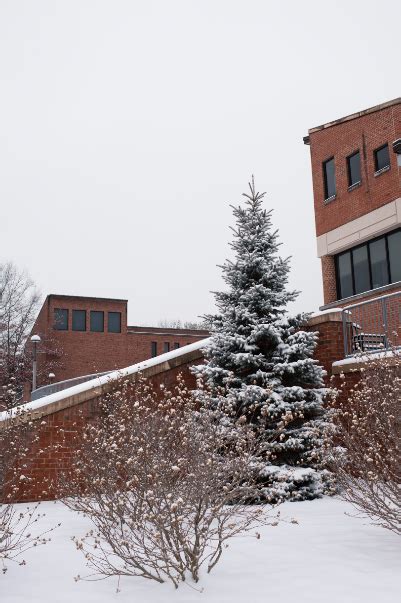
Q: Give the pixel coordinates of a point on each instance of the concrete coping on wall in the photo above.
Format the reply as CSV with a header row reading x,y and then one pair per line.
x,y
332,315
93,389
359,362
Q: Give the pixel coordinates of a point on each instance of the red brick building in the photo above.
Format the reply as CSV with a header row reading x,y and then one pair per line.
x,y
91,335
356,172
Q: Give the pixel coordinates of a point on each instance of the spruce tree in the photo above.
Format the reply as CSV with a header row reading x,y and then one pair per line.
x,y
263,358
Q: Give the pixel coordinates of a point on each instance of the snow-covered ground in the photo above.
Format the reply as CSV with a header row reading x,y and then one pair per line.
x,y
329,557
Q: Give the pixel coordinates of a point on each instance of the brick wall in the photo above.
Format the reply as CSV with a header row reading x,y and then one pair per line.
x,y
365,133
59,425
86,352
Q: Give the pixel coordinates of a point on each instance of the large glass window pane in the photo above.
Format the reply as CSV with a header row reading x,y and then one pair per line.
x,y
97,321
79,320
345,275
378,259
361,269
114,322
329,178
382,158
354,168
60,319
394,249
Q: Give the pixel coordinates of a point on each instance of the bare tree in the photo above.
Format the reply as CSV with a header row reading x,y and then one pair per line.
x,y
164,481
19,302
19,305
186,324
17,435
367,443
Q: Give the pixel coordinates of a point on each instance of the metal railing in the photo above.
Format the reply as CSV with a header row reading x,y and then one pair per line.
x,y
372,325
45,390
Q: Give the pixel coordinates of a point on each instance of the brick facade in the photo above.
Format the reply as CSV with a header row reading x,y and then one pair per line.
x,y
364,132
60,424
87,352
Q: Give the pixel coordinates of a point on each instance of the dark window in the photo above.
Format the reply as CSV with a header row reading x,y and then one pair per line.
x,y
153,348
114,322
374,264
329,178
354,168
345,274
176,346
382,158
378,261
394,251
360,260
60,319
166,346
97,321
79,320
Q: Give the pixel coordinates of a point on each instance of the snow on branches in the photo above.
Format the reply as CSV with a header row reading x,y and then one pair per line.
x,y
262,359
164,484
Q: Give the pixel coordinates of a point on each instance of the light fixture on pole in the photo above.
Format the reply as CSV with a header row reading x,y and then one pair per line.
x,y
35,339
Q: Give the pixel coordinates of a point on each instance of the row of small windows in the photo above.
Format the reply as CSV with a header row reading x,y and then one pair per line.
x,y
374,264
96,320
381,159
166,347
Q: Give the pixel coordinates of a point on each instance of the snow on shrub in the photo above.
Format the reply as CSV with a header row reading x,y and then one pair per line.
x,y
164,483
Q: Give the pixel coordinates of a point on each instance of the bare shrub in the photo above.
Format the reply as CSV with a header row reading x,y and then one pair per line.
x,y
164,482
367,449
17,435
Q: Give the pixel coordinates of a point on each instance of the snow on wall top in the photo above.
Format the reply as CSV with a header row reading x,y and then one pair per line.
x,y
104,379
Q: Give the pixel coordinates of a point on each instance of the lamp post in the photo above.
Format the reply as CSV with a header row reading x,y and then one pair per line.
x,y
35,340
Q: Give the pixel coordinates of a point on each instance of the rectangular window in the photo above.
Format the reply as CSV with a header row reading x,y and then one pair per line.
x,y
114,322
394,251
97,321
176,346
153,348
378,260
79,320
382,158
329,178
369,266
354,168
166,346
60,319
360,261
344,271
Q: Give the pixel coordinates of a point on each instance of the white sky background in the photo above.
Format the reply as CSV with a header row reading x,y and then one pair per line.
x,y
128,127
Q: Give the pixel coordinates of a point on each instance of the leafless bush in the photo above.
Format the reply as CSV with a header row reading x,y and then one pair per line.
x,y
17,435
164,483
368,443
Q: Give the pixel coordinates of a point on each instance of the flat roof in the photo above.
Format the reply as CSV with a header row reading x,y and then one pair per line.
x,y
329,124
81,297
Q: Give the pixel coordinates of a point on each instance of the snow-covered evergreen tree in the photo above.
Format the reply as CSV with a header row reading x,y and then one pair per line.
x,y
264,359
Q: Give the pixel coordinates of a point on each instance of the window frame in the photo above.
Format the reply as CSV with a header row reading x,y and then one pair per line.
x,y
90,321
72,321
166,347
108,321
385,167
328,197
351,185
351,249
55,328
153,349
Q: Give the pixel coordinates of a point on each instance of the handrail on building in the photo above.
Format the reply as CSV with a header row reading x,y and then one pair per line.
x,y
372,325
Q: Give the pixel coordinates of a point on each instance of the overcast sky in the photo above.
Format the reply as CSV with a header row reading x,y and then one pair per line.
x,y
128,127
